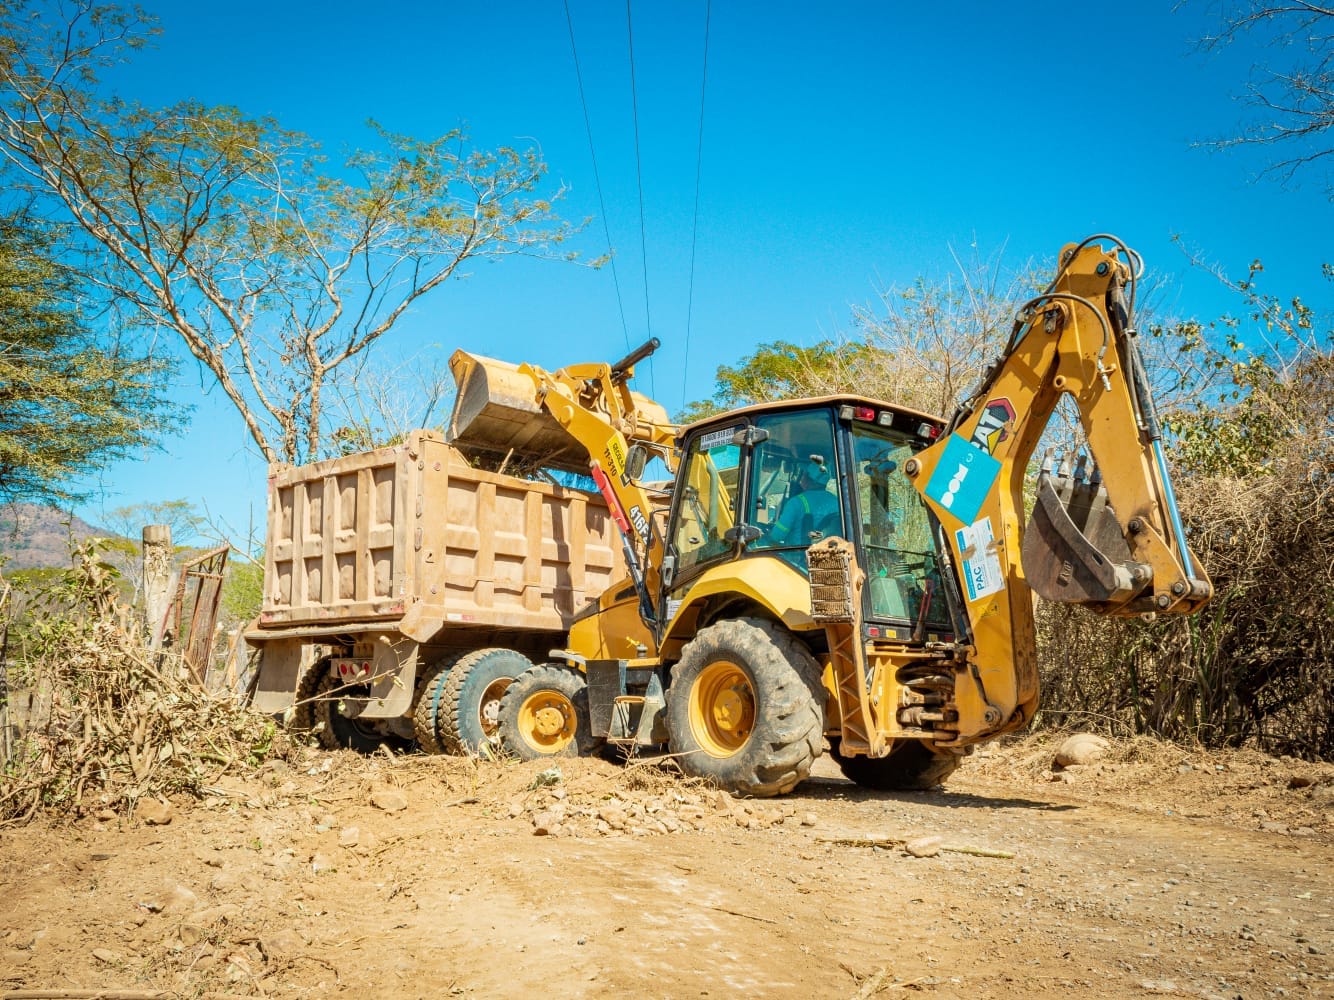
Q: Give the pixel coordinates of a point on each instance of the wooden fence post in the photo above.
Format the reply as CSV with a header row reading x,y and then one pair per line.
x,y
157,579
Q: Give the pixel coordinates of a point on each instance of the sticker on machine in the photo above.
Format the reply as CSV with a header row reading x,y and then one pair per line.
x,y
963,479
981,565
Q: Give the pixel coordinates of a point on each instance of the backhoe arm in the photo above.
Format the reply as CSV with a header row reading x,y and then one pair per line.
x,y
1108,537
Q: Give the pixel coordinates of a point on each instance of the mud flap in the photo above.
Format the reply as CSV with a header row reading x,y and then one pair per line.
x,y
1073,549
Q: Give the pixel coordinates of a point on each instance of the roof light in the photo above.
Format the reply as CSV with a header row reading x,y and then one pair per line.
x,y
865,413
885,419
929,431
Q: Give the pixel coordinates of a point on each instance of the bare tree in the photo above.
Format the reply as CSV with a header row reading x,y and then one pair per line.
x,y
939,335
379,404
273,268
1291,90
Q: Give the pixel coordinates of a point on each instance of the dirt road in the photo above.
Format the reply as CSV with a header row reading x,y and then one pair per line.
x,y
1157,872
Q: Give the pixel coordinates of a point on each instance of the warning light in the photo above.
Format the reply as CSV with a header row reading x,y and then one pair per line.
x,y
866,413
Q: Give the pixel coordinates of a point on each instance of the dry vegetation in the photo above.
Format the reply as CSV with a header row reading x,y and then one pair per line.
x,y
109,723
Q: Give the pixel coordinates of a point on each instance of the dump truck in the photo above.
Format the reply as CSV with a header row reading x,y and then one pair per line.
x,y
404,589
842,571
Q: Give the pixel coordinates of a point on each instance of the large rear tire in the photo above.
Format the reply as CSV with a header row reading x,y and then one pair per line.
x,y
346,732
303,714
430,699
746,708
544,713
911,766
469,716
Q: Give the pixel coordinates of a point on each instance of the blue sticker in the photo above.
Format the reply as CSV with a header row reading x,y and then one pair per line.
x,y
963,478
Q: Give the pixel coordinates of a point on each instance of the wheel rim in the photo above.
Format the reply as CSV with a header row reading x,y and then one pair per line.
x,y
547,722
722,709
488,710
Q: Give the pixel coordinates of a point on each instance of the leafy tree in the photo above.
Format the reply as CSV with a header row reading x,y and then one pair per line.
x,y
274,268
1292,91
781,370
68,405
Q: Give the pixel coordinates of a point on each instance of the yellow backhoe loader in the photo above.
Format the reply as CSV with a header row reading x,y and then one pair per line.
x,y
839,568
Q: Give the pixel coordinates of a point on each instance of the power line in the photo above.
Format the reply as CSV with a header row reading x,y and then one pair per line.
x,y
639,175
694,226
597,178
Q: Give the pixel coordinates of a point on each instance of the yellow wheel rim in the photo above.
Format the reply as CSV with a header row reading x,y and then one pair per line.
x,y
547,722
722,709
489,709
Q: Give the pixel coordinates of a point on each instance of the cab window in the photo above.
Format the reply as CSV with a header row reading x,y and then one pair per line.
x,y
793,496
903,573
707,506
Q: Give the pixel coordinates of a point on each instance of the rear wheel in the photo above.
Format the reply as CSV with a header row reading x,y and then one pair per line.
x,y
746,708
341,730
910,766
469,713
426,716
544,713
303,714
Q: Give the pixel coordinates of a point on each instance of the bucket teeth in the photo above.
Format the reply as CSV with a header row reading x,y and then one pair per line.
x,y
1081,460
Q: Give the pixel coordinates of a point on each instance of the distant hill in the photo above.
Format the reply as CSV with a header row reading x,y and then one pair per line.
x,y
34,536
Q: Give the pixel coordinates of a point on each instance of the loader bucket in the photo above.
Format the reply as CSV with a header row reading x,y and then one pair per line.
x,y
1074,551
498,420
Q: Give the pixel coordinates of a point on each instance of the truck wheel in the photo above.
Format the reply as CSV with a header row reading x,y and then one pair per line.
x,y
545,714
430,699
303,715
470,700
910,766
342,732
746,708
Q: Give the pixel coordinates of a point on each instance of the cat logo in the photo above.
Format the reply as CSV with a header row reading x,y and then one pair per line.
x,y
994,426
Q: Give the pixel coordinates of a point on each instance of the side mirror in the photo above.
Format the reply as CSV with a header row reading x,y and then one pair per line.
x,y
635,461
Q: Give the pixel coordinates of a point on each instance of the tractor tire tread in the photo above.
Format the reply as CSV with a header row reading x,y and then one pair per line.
x,y
788,734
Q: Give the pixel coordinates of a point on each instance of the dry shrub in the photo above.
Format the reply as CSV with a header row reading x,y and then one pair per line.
x,y
115,722
1253,666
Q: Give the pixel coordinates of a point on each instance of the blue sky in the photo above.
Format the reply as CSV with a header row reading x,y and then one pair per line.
x,y
846,146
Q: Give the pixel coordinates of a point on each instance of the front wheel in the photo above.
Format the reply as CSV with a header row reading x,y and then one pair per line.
x,y
746,708
910,766
544,713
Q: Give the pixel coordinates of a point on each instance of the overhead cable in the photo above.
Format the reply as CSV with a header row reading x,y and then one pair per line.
x,y
694,226
639,175
597,177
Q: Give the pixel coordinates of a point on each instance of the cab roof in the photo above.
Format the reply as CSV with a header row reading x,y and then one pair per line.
x,y
804,403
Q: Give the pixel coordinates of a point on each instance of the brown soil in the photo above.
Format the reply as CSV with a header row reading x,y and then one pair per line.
x,y
1155,872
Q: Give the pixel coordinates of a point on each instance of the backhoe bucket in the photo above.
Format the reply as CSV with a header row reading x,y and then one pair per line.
x,y
498,419
1074,551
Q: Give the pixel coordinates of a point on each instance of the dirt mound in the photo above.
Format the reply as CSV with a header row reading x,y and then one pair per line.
x,y
1245,788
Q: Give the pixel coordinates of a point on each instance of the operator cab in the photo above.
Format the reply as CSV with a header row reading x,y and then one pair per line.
x,y
770,480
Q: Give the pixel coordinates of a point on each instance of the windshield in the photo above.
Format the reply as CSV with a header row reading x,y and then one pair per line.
x,y
903,575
